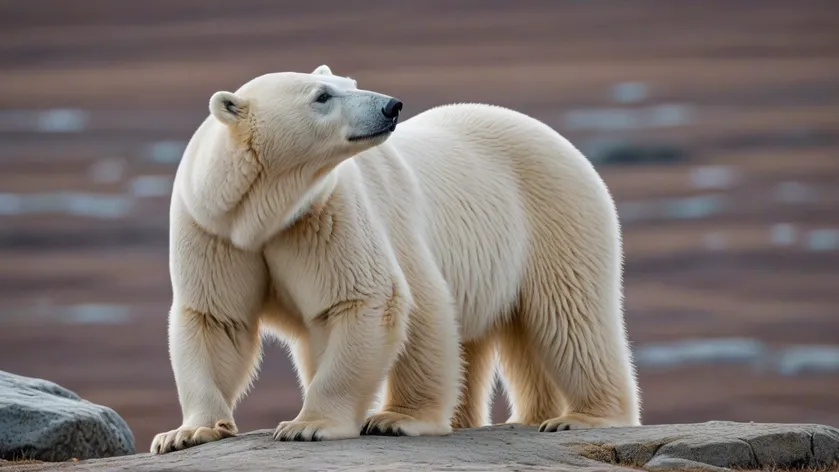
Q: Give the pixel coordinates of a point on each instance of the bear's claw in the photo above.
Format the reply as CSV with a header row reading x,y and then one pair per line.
x,y
186,437
318,430
572,421
388,423
370,429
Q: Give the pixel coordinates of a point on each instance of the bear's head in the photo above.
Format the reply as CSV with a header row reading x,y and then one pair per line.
x,y
292,120
268,150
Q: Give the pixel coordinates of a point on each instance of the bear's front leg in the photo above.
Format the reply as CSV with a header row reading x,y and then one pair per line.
x,y
423,386
212,359
355,343
214,345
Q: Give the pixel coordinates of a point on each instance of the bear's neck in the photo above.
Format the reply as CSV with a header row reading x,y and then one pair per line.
x,y
276,202
233,193
219,175
313,198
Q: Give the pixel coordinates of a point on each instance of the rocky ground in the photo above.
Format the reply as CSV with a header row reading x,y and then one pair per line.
x,y
44,426
709,447
730,224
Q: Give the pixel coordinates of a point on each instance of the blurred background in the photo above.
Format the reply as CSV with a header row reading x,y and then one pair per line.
x,y
715,124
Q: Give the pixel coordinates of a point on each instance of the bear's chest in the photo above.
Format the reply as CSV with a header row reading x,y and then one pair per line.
x,y
298,261
327,258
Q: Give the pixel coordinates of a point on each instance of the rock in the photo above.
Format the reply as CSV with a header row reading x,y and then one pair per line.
x,y
664,464
710,447
43,421
717,451
724,444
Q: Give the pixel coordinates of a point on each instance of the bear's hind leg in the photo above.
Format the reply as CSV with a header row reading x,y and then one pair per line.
x,y
292,332
531,394
423,385
473,408
580,339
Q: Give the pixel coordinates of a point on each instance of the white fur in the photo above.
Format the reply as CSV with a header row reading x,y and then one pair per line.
x,y
472,236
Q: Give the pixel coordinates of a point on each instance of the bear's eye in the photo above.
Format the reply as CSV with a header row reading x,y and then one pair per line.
x,y
323,98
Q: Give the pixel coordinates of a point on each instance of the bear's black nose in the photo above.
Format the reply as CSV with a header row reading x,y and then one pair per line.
x,y
392,109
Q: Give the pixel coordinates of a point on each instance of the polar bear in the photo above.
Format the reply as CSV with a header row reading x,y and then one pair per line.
x,y
400,265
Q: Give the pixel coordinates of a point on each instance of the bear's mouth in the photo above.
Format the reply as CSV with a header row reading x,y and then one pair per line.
x,y
389,129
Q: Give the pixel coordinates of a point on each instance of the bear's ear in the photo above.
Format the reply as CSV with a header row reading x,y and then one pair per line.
x,y
322,70
228,108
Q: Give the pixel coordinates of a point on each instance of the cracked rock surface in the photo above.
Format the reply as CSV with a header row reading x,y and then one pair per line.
x,y
712,446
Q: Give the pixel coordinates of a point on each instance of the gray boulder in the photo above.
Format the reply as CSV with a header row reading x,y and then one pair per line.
x,y
42,421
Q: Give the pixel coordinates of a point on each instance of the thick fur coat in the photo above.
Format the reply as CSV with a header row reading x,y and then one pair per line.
x,y
408,264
